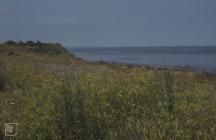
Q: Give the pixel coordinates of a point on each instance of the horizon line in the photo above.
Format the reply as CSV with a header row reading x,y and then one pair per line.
x,y
67,46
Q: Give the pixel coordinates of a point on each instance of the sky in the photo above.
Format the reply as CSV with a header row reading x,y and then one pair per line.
x,y
110,22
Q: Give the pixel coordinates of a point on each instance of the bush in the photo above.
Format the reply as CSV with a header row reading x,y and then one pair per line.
x,y
3,77
39,47
49,48
10,42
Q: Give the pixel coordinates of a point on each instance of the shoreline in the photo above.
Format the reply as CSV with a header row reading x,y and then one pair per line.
x,y
191,66
183,68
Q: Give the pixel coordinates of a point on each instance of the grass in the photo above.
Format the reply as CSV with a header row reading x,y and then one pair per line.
x,y
86,100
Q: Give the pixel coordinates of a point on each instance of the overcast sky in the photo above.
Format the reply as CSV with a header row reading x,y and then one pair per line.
x,y
110,22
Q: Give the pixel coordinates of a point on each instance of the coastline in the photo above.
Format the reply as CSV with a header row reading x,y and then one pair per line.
x,y
182,68
197,59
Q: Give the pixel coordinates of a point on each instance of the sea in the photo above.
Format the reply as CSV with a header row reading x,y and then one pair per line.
x,y
195,58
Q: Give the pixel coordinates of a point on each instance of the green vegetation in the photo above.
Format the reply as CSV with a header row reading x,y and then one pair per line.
x,y
53,95
52,48
3,78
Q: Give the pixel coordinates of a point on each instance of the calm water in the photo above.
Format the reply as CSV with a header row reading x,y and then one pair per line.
x,y
195,58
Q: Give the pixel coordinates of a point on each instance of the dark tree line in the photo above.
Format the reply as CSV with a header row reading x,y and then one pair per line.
x,y
38,47
30,43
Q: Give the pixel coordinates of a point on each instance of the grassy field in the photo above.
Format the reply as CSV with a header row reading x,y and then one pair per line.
x,y
53,95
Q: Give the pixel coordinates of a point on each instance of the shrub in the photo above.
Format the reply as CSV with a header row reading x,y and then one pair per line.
x,y
11,53
52,48
10,42
49,48
3,77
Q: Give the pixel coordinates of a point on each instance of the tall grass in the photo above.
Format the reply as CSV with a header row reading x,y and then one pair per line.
x,y
110,103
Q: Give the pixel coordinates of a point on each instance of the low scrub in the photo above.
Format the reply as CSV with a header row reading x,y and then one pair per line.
x,y
3,77
39,47
51,49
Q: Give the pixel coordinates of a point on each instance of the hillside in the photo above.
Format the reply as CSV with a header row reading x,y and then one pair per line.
x,y
54,95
